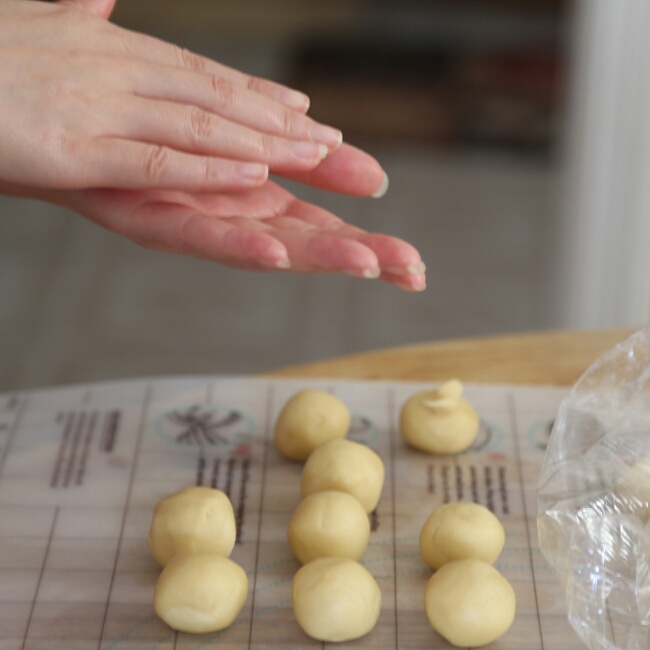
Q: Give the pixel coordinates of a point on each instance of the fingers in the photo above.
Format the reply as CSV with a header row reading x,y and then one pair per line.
x,y
347,170
314,250
220,95
396,256
214,105
309,249
223,240
317,242
124,164
149,49
119,42
193,130
406,282
332,245
151,220
398,262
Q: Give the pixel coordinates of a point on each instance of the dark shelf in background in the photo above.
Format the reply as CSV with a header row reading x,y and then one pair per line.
x,y
454,75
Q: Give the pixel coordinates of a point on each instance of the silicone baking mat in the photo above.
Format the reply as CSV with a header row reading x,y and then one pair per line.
x,y
82,467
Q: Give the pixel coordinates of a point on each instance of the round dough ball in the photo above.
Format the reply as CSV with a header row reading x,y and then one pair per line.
x,y
193,520
439,421
345,466
310,418
335,599
329,524
200,593
469,603
458,531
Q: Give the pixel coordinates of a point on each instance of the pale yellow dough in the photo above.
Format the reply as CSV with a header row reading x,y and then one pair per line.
x,y
310,418
458,531
439,421
328,524
200,593
335,599
345,466
193,520
469,603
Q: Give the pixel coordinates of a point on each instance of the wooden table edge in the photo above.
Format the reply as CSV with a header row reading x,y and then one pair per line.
x,y
554,357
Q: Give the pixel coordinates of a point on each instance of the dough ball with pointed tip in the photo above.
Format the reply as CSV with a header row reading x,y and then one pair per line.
x,y
439,421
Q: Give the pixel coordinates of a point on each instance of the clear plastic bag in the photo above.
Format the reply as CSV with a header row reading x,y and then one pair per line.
x,y
594,499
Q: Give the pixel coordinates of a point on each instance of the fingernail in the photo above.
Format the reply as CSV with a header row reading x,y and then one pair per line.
x,y
368,274
279,264
253,171
416,269
308,150
326,135
419,284
383,188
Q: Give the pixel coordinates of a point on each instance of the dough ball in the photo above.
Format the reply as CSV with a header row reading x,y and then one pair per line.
x,y
335,599
329,524
310,418
458,531
200,593
194,520
469,603
632,491
345,466
439,421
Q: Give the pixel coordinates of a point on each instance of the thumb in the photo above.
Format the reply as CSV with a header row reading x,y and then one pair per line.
x,y
101,8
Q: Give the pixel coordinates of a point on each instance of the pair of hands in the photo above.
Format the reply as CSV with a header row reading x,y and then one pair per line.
x,y
174,151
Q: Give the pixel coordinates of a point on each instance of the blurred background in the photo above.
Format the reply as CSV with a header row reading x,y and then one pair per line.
x,y
516,139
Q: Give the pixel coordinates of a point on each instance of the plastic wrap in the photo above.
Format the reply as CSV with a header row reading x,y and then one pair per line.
x,y
594,499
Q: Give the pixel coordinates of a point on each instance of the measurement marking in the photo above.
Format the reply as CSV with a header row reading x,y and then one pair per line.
x,y
110,429
138,445
267,427
610,621
63,446
513,425
12,433
40,577
80,424
391,435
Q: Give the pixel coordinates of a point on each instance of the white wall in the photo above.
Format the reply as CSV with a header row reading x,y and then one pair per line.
x,y
603,235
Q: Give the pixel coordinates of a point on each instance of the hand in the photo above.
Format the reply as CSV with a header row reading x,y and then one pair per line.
x,y
92,105
173,150
264,229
